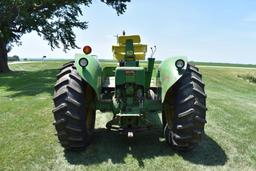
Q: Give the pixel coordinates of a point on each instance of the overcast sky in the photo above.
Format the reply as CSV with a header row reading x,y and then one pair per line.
x,y
213,31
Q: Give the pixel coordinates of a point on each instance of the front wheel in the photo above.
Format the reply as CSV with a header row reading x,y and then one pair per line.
x,y
185,111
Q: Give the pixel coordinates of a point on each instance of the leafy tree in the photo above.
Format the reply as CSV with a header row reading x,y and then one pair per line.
x,y
51,19
14,58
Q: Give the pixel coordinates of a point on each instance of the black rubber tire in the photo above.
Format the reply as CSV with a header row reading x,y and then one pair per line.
x,y
71,109
189,111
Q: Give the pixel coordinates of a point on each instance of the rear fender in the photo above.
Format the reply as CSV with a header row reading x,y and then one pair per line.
x,y
91,73
170,74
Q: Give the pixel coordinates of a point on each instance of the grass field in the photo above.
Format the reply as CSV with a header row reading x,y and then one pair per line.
x,y
27,140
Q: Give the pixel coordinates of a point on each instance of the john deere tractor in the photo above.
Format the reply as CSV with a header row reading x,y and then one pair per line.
x,y
132,89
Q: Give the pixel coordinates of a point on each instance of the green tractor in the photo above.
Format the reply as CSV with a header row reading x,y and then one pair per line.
x,y
132,90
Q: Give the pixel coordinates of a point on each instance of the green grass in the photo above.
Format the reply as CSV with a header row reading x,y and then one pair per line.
x,y
249,76
27,140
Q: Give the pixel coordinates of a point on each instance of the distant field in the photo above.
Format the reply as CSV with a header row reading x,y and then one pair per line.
x,y
224,64
27,140
202,64
158,62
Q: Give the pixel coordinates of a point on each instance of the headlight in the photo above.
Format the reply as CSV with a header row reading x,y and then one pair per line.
x,y
83,62
180,63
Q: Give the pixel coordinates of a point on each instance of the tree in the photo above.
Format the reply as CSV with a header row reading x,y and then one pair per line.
x,y
14,58
51,19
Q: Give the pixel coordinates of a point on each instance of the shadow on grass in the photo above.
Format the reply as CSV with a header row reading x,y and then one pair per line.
x,y
29,83
110,146
207,153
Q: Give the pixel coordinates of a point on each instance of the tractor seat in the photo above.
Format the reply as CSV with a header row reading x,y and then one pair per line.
x,y
140,50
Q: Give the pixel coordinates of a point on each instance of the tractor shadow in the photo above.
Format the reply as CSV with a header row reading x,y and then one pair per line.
x,y
109,146
28,83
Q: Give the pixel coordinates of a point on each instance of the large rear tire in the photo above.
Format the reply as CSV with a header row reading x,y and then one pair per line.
x,y
186,109
73,111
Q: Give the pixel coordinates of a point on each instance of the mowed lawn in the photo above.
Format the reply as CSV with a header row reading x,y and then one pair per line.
x,y
27,140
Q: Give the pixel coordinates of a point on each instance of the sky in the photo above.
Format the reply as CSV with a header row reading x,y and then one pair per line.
x,y
203,30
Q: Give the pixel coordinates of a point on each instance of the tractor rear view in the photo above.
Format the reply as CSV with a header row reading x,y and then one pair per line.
x,y
131,90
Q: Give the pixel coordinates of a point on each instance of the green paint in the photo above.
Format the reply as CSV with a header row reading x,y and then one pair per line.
x,y
169,73
91,73
149,71
130,75
108,71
